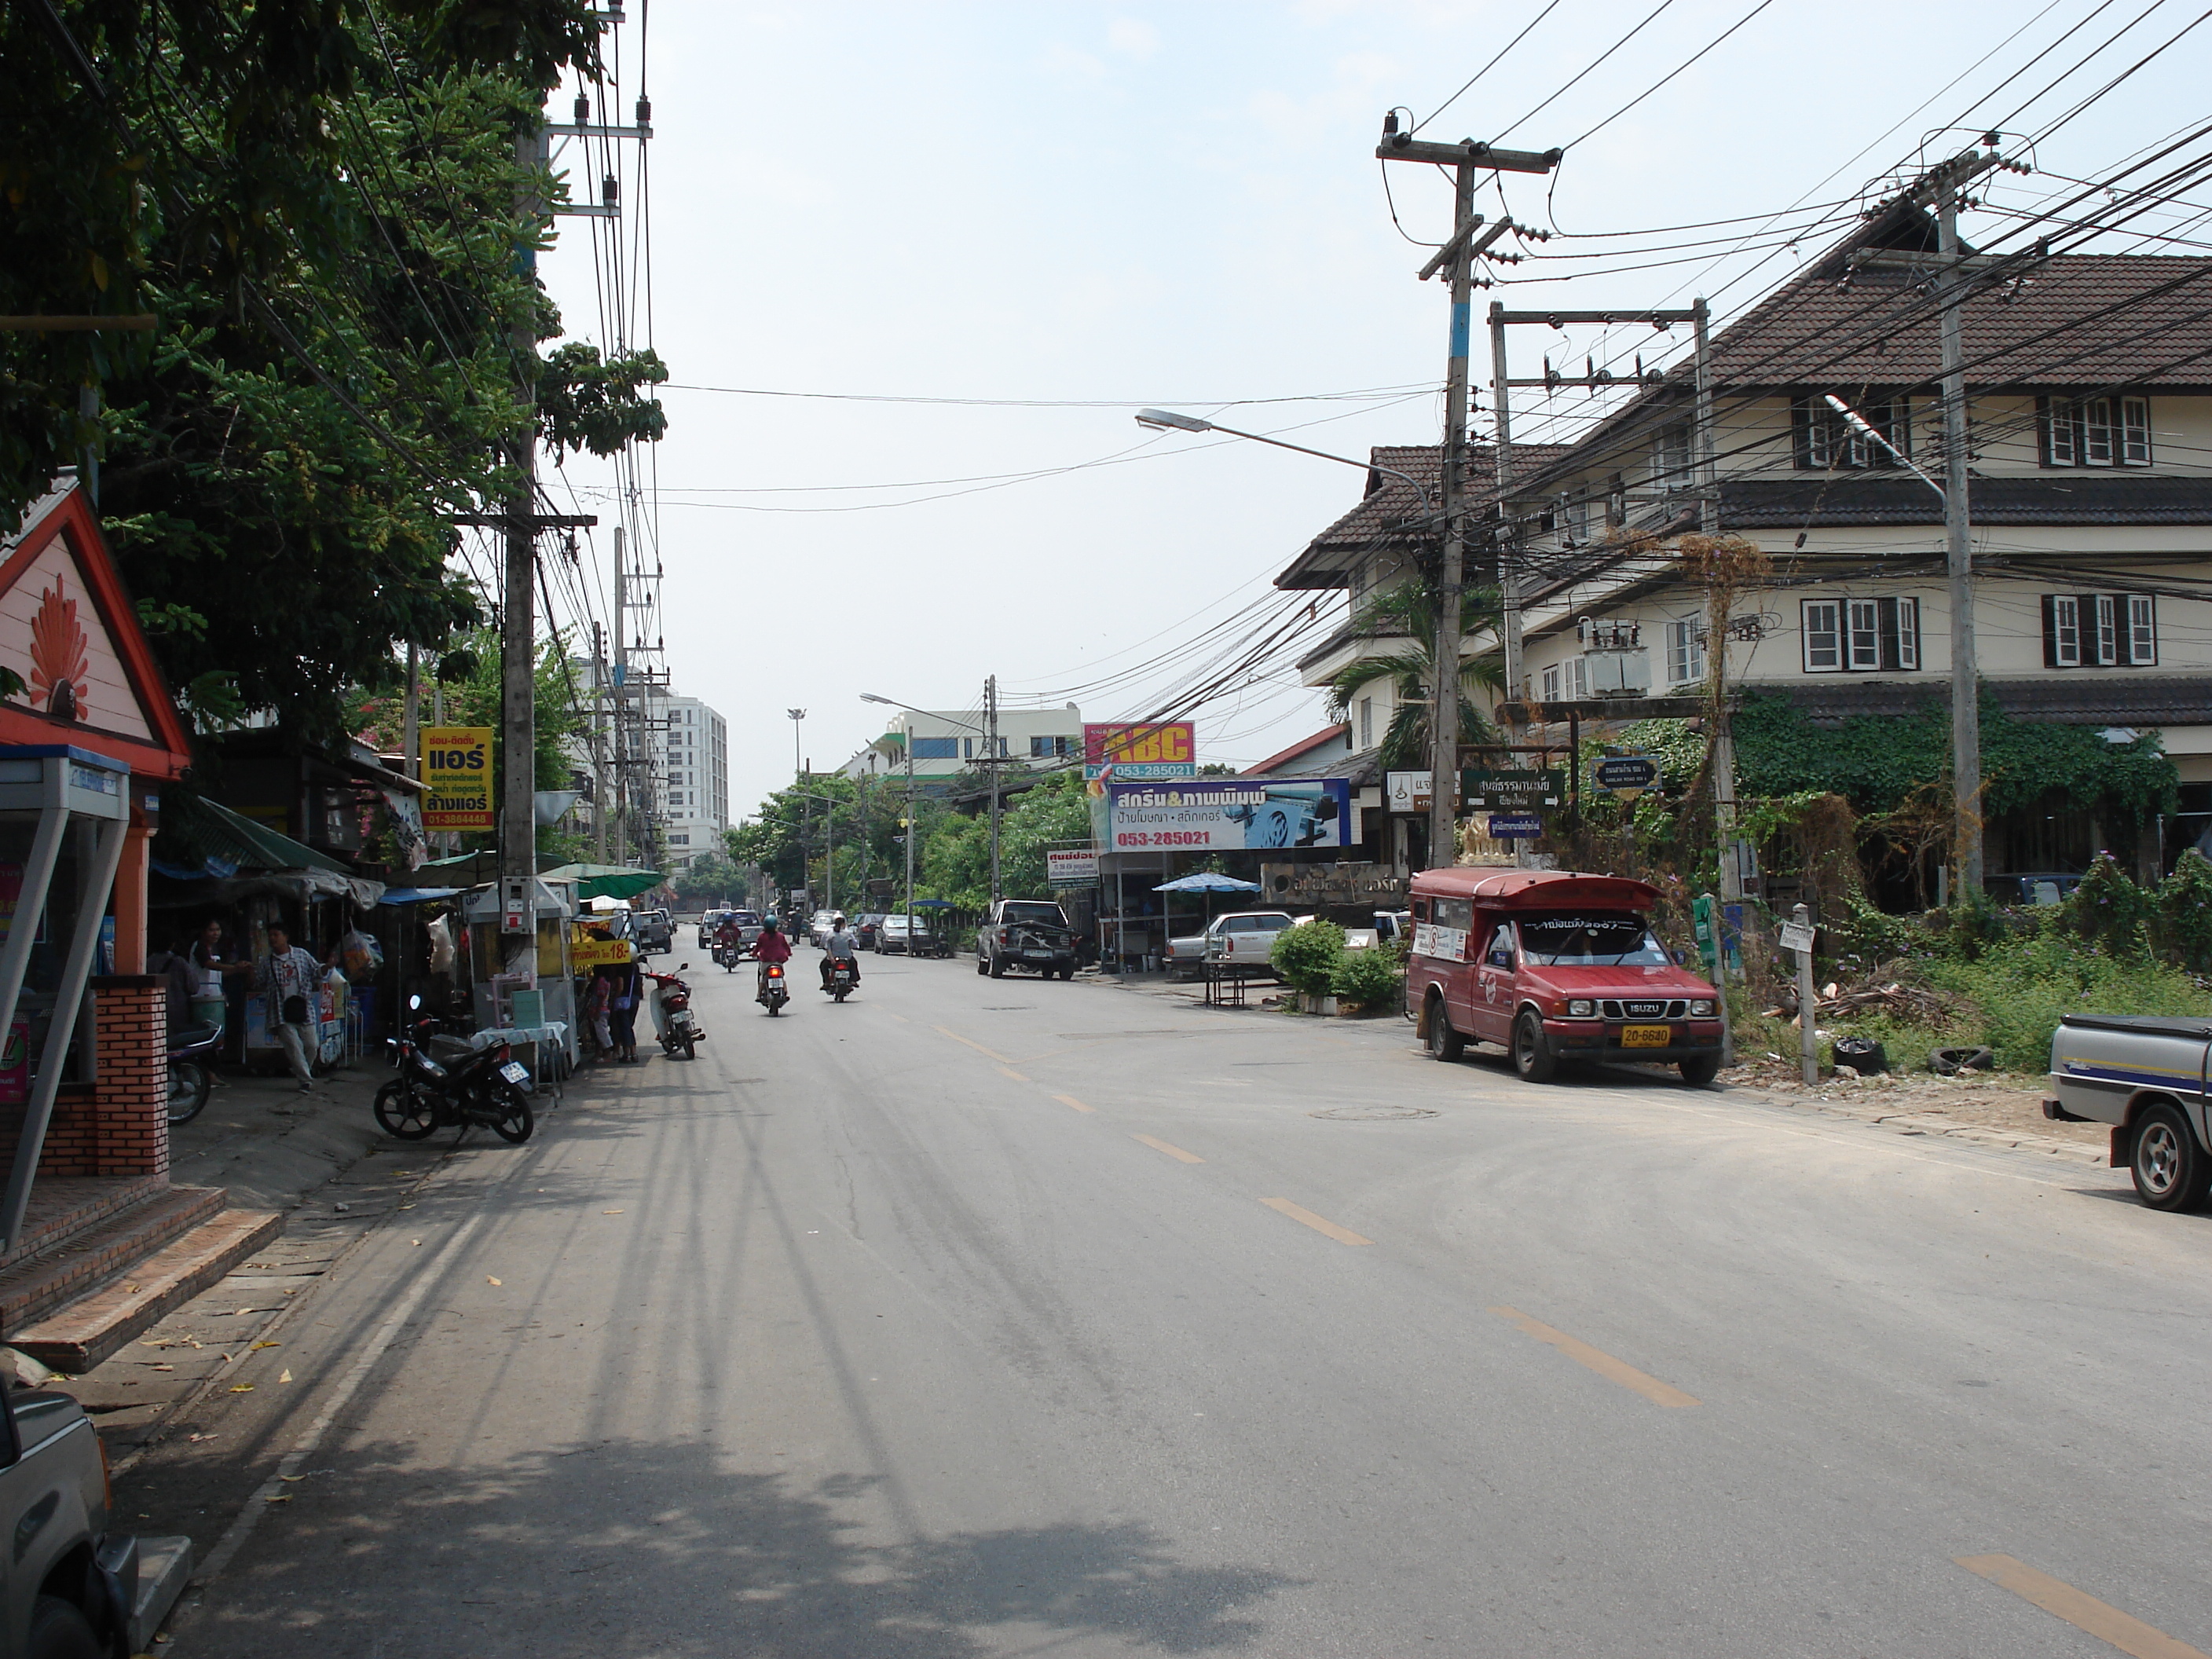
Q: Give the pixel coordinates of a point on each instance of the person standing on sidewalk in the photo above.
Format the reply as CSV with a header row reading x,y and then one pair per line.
x,y
622,1012
291,978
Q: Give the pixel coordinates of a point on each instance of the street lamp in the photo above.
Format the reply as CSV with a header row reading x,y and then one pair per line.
x,y
1164,420
991,759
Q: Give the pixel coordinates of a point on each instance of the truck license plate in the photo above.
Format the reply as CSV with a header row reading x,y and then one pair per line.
x,y
515,1074
1646,1036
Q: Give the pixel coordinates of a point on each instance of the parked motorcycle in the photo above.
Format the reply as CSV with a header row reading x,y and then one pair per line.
x,y
192,1050
844,977
672,1016
775,989
460,1084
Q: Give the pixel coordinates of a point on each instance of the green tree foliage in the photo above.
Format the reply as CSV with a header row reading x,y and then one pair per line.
x,y
708,879
1308,957
321,201
1409,613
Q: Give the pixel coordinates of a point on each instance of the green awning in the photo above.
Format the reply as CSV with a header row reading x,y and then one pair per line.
x,y
603,880
205,836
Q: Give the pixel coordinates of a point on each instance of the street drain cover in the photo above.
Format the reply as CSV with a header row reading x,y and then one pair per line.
x,y
1373,1114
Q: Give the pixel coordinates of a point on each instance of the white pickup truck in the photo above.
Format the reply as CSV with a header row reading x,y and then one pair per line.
x,y
1244,938
2150,1077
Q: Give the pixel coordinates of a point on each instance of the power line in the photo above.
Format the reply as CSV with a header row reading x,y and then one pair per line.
x,y
1484,71
1671,74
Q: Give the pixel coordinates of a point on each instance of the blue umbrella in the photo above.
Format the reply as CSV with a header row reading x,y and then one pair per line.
x,y
1207,882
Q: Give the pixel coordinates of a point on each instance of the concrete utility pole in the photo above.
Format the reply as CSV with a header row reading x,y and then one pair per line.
x,y
1468,161
908,747
991,753
1959,542
600,801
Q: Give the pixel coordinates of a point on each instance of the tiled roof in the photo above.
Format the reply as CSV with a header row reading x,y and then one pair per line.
x,y
1387,513
1326,737
2075,498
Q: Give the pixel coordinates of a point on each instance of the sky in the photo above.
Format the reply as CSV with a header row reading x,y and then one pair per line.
x,y
1062,212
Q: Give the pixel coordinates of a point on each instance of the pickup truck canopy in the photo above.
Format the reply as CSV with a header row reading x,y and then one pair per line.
x,y
1535,890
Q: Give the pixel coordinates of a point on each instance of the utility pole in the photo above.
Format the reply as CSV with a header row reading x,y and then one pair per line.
x,y
991,755
518,816
908,747
1469,160
600,803
1959,537
621,703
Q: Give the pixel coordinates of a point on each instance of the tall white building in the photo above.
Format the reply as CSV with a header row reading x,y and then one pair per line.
x,y
693,747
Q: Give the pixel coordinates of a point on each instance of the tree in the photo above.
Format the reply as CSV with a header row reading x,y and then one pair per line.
x,y
1409,610
708,879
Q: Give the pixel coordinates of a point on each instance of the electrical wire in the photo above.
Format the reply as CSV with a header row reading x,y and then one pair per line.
x,y
1525,32
1671,74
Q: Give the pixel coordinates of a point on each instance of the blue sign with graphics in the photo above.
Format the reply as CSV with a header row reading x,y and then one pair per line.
x,y
1515,826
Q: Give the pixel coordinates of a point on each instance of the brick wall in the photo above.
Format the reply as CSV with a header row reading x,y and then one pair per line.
x,y
120,1125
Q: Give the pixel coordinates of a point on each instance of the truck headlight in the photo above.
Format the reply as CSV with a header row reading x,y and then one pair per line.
x,y
1702,1008
1581,1008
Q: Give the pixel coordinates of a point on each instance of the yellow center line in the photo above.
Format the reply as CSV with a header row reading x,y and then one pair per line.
x,y
1070,1100
1172,1150
1009,1071
2084,1613
1319,1223
901,1018
1614,1370
992,1053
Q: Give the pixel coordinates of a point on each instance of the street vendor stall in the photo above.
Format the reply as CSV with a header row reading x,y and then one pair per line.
x,y
536,1006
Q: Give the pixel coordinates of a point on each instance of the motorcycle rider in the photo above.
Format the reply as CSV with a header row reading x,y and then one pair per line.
x,y
843,944
730,937
770,946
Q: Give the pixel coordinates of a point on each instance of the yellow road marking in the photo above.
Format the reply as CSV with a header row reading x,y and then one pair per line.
x,y
1319,1223
901,1018
992,1053
1070,1100
2084,1613
1010,1072
1614,1370
1173,1151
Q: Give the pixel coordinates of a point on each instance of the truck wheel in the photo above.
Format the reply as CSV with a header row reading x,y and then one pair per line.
x,y
982,963
1701,1071
998,969
1533,1058
59,1631
1444,1043
2169,1167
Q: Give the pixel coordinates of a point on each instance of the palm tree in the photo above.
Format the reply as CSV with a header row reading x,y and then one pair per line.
x,y
1409,611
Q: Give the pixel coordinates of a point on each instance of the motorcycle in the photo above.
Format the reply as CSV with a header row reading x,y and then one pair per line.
x,y
463,1085
678,1027
775,989
843,978
729,955
191,1051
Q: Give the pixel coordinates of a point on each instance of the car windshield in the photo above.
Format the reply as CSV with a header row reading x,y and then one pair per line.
x,y
1038,911
1587,941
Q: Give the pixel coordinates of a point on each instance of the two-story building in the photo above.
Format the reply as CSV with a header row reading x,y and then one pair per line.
x,y
2089,392
946,743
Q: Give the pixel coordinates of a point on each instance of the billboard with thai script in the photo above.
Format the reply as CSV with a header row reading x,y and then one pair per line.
x,y
1227,814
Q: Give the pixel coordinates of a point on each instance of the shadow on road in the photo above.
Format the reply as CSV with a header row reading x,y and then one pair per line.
x,y
627,1548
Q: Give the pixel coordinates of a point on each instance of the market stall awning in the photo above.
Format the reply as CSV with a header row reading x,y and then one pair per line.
x,y
602,880
206,838
396,895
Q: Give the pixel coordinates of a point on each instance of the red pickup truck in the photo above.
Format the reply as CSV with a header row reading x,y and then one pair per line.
x,y
1551,966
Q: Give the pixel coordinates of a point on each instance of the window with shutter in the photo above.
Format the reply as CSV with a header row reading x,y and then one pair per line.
x,y
2141,642
2062,630
2056,415
1822,623
2100,442
1900,634
2106,639
1864,619
1816,434
2134,431
1552,684
1685,652
1577,680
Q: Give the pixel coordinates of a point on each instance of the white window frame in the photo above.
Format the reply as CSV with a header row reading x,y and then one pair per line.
x,y
1685,654
1367,722
2141,629
1577,680
1821,619
1862,636
1552,684
1908,635
2107,624
2065,622
2135,432
2100,444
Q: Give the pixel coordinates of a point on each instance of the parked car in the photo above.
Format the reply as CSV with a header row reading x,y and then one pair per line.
x,y
865,928
822,923
2032,887
1241,937
909,936
1553,966
749,925
656,932
2145,1075
1025,933
73,1588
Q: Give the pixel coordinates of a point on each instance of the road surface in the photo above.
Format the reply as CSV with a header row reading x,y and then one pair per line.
x,y
993,1317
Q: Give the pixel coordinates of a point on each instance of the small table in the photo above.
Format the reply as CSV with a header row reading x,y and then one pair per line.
x,y
555,1032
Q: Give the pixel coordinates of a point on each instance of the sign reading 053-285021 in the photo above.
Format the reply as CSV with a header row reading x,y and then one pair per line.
x,y
457,778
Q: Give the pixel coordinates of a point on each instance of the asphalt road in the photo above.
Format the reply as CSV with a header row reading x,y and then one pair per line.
x,y
1017,1317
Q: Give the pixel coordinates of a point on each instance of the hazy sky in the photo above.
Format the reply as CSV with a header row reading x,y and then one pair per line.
x,y
1113,205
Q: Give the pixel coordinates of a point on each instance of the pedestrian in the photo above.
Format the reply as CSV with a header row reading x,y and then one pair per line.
x,y
596,999
292,978
621,1011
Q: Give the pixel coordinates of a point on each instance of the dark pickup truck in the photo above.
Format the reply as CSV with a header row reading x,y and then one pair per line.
x,y
1029,933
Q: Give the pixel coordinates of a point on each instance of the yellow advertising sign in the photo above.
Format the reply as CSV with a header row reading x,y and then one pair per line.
x,y
588,951
457,778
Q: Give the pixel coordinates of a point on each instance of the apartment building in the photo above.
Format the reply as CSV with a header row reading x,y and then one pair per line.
x,y
947,744
690,741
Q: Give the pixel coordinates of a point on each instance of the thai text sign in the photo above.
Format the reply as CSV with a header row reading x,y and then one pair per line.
x,y
1523,791
1127,753
588,951
457,777
1626,775
1408,792
1515,826
1223,814
1076,869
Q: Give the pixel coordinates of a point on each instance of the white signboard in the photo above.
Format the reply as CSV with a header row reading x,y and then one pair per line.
x,y
1077,869
1408,792
1443,943
1796,937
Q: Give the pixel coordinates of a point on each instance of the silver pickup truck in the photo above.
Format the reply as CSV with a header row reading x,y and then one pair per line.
x,y
73,1589
2150,1077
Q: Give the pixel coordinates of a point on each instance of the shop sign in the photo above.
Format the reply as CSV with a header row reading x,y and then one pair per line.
x,y
1228,814
588,951
1626,776
1512,789
1796,936
1408,792
1515,826
1076,869
1131,753
457,778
